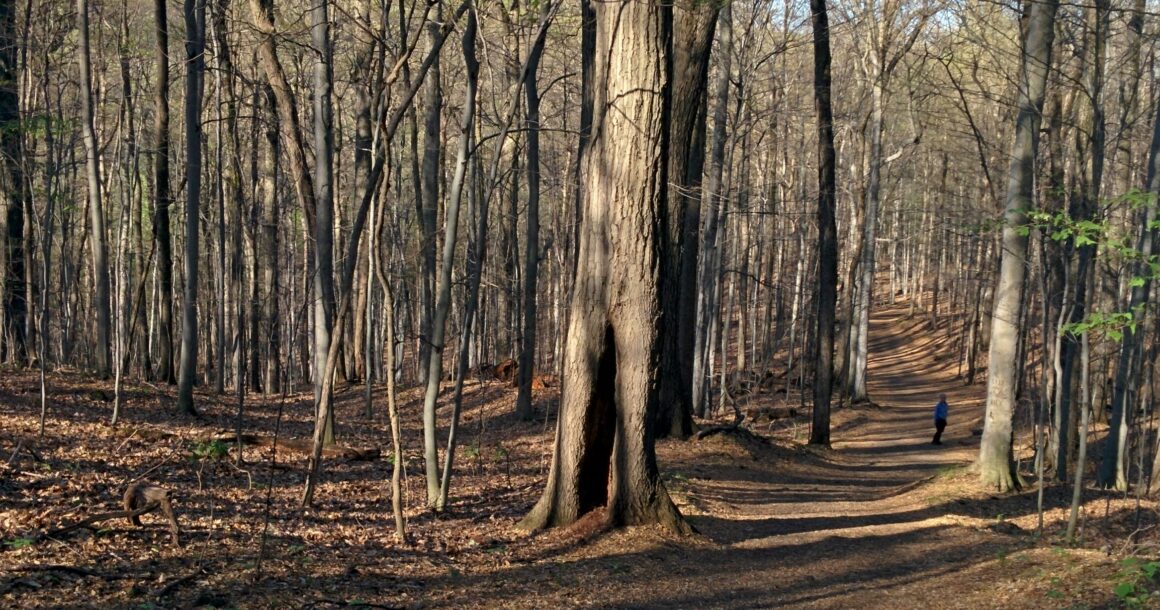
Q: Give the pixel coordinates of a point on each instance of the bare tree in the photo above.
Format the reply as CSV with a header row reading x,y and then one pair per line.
x,y
97,238
195,69
997,466
14,330
527,362
827,230
604,451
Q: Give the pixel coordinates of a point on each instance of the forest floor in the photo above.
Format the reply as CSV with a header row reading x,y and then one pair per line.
x,y
883,519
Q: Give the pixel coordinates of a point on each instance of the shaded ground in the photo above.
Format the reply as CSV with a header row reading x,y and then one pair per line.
x,y
884,519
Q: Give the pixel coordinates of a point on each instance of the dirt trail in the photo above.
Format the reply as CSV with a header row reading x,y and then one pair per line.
x,y
878,452
881,520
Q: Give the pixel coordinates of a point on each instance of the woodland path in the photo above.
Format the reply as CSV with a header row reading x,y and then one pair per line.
x,y
883,519
880,520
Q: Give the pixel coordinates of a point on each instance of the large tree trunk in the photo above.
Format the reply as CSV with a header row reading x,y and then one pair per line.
x,y
996,463
604,452
827,229
195,62
693,26
97,237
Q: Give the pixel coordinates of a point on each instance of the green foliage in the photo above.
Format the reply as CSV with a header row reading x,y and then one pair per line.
x,y
212,450
19,543
1060,226
1111,325
1137,582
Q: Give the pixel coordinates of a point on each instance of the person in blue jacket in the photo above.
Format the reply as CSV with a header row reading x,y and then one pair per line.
x,y
940,419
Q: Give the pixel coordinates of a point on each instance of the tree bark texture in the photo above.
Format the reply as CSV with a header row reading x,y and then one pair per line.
x,y
604,452
996,463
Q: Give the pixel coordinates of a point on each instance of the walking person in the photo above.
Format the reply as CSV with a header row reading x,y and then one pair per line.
x,y
940,419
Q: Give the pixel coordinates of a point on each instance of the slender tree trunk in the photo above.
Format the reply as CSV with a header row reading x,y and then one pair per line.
x,y
996,463
1085,206
527,364
161,201
867,265
709,261
15,329
827,229
392,410
476,251
97,237
1113,467
323,308
428,215
268,239
195,61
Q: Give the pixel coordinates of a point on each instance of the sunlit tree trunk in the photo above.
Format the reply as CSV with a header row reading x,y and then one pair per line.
x,y
996,462
98,241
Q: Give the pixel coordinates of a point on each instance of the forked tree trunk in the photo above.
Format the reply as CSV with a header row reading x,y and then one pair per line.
x,y
443,302
996,463
604,452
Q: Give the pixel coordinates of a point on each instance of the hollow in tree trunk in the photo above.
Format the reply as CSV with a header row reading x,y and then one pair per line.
x,y
604,452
